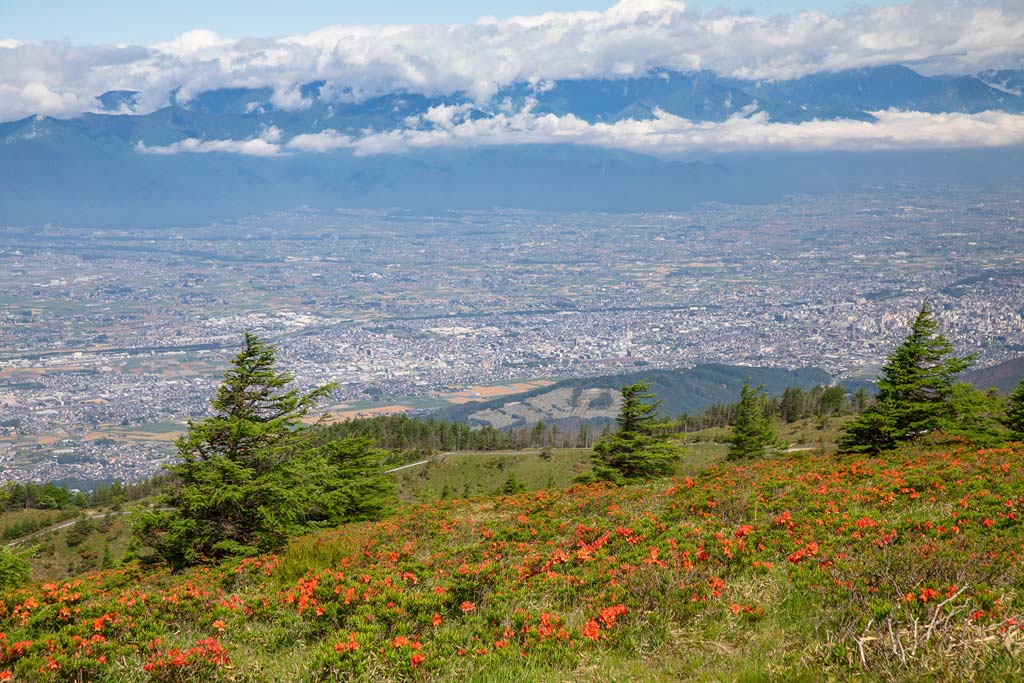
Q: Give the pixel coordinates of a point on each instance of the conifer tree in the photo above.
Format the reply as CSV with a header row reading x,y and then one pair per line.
x,y
247,476
635,451
1014,419
915,391
512,486
752,431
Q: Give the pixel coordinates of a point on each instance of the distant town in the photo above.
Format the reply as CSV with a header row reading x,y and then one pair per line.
x,y
110,340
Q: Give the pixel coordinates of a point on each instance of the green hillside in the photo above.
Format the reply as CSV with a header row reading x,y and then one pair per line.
x,y
680,391
904,566
1003,376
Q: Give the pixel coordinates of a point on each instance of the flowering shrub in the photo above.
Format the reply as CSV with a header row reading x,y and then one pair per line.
x,y
888,567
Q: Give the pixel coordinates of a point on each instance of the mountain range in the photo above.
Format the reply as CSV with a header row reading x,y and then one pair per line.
x,y
232,152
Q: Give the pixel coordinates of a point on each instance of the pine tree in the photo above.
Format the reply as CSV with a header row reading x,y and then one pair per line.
x,y
752,432
915,391
635,451
249,475
792,404
254,411
861,400
512,486
1014,418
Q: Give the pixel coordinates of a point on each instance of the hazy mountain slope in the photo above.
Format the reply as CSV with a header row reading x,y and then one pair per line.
x,y
681,391
1003,376
93,169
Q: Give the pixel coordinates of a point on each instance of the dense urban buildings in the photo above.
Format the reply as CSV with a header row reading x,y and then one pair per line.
x,y
111,339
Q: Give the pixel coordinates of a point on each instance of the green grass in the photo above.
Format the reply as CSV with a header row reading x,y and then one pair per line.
x,y
811,433
470,473
802,567
153,428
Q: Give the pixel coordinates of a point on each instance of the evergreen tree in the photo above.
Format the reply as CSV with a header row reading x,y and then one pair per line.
x,y
253,412
792,404
752,431
248,475
1014,418
861,400
512,486
341,481
915,391
635,451
977,415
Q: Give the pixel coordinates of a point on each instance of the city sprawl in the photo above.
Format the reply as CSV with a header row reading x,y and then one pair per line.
x,y
110,340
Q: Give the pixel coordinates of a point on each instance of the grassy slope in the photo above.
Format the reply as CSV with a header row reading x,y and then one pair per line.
x,y
56,559
813,567
812,433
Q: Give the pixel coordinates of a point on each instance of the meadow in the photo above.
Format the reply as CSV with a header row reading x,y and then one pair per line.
x,y
809,567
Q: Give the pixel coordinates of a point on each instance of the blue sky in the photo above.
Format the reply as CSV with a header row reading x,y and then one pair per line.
x,y
146,22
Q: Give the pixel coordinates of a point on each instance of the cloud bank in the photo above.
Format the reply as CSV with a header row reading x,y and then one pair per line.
x,y
665,134
629,39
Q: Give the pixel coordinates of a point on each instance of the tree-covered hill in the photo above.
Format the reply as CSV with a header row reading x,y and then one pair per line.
x,y
680,391
1003,376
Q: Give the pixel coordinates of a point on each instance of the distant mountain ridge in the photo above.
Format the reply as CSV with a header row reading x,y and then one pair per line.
x,y
240,113
93,171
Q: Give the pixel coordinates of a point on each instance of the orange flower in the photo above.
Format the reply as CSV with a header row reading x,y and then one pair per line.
x,y
417,659
349,646
467,606
219,624
399,641
592,630
436,620
609,614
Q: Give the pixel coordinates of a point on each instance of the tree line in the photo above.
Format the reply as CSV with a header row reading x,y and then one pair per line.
x,y
50,496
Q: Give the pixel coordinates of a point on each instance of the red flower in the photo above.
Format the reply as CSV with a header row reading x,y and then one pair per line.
x,y
467,606
436,620
592,630
349,646
417,659
609,614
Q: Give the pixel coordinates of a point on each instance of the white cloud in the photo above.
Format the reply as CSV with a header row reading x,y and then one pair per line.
x,y
629,38
668,134
325,141
271,134
663,135
257,147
